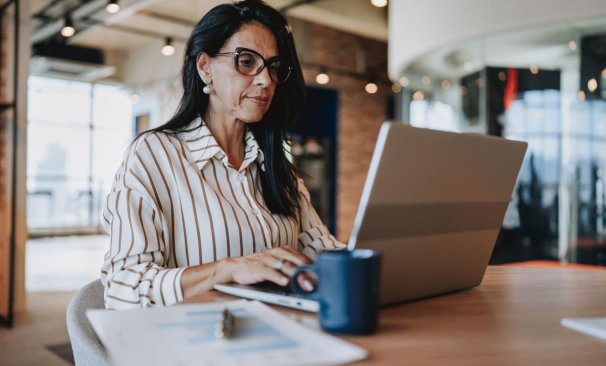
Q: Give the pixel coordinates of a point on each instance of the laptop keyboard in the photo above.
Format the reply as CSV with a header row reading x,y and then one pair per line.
x,y
273,288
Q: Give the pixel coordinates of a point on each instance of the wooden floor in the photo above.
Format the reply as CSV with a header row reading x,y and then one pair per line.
x,y
33,333
55,269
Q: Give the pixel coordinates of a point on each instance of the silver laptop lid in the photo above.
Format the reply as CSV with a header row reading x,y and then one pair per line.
x,y
434,202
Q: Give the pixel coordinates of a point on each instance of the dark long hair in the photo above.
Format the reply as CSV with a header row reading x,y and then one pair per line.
x,y
278,181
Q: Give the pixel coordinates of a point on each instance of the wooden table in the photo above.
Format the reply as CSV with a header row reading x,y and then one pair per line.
x,y
512,318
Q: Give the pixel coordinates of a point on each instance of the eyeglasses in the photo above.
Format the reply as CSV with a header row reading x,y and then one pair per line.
x,y
251,63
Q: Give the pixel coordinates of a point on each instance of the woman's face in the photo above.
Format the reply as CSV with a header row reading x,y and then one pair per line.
x,y
245,98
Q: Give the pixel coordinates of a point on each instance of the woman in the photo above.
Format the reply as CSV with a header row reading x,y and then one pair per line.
x,y
209,197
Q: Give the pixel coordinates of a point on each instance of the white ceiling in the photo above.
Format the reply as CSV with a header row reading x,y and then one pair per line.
x,y
546,47
145,23
446,40
141,22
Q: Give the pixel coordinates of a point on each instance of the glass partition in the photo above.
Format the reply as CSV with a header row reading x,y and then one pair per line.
x,y
551,94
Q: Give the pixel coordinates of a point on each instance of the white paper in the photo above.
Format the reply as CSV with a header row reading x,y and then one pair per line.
x,y
184,335
595,326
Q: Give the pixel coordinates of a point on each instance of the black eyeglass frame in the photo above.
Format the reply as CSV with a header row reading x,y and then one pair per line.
x,y
266,63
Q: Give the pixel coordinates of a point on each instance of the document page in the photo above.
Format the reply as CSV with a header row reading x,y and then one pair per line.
x,y
595,326
185,335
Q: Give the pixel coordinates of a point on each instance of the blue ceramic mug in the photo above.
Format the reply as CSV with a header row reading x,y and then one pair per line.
x,y
347,289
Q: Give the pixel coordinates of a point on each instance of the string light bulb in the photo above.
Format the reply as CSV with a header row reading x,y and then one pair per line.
x,y
572,44
112,6
68,29
592,85
371,88
168,49
322,78
418,95
534,69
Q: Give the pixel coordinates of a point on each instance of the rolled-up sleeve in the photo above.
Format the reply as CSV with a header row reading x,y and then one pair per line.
x,y
313,234
135,271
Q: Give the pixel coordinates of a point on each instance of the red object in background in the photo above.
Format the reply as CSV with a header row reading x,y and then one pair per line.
x,y
511,87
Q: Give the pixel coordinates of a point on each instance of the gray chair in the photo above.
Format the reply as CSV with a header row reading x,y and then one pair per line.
x,y
87,348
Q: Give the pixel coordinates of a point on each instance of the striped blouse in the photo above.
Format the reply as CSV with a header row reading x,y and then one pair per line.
x,y
176,202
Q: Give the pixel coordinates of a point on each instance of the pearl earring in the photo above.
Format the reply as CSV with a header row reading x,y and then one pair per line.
x,y
208,88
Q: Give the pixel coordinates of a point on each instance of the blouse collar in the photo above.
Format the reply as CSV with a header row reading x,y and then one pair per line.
x,y
203,146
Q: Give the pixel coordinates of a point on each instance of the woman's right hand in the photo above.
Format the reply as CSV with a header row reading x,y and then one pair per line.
x,y
276,265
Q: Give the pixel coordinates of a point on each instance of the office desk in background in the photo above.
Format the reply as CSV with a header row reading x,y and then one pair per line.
x,y
512,318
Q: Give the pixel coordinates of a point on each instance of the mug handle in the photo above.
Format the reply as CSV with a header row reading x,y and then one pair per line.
x,y
294,284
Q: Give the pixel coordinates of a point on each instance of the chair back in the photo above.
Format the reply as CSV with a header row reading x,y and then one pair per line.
x,y
87,348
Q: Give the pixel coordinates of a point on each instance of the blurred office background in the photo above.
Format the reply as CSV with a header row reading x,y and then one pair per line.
x,y
79,79
527,70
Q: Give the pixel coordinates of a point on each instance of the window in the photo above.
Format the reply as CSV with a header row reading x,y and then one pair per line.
x,y
77,134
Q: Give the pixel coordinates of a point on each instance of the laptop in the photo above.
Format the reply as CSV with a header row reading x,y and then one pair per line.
x,y
433,203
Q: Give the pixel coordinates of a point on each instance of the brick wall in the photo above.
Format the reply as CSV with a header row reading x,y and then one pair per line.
x,y
3,98
4,249
3,75
359,115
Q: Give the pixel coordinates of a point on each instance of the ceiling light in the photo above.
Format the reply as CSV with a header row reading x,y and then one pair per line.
x,y
502,76
468,66
396,87
426,80
371,88
581,95
534,69
379,3
322,78
68,29
168,49
604,74
112,6
403,81
592,85
445,84
572,45
135,98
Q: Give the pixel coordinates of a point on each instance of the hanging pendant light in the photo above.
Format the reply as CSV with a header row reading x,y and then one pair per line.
x,y
168,49
112,6
68,29
379,3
